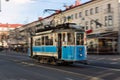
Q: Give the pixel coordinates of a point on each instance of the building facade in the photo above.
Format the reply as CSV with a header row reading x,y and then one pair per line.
x,y
101,21
4,33
19,37
99,18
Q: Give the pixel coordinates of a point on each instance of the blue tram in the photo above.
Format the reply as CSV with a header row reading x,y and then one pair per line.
x,y
61,44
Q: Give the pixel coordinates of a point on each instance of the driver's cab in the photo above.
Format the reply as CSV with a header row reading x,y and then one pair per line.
x,y
68,43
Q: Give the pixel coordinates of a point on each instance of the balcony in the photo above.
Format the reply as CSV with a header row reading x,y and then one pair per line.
x,y
108,10
109,29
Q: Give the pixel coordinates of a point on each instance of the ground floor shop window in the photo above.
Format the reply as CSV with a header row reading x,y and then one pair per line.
x,y
102,45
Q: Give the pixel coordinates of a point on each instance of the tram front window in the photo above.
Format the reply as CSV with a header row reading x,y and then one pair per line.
x,y
70,39
79,38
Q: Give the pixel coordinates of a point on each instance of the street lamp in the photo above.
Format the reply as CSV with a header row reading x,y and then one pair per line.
x,y
0,4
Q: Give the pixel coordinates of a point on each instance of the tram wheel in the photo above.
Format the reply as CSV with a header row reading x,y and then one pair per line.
x,y
41,60
53,61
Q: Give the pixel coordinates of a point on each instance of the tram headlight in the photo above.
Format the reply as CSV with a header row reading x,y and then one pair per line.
x,y
80,54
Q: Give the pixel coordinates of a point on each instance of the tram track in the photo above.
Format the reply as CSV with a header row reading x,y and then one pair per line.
x,y
64,69
91,65
85,76
88,65
105,64
49,67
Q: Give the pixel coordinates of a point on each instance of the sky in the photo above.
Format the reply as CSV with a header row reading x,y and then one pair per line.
x,y
26,11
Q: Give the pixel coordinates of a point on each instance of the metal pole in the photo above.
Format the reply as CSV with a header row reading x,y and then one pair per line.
x,y
0,5
31,46
118,48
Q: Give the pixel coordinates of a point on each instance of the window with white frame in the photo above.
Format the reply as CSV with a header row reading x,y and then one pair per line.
x,y
96,9
110,20
72,16
109,7
97,25
106,21
76,15
80,14
86,12
86,24
91,24
91,11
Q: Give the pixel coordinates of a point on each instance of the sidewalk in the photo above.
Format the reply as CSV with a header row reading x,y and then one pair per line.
x,y
109,59
104,57
13,52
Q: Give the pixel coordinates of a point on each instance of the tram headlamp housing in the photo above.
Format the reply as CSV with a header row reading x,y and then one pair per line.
x,y
81,55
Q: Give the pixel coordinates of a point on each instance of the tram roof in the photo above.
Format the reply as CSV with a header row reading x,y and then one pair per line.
x,y
60,26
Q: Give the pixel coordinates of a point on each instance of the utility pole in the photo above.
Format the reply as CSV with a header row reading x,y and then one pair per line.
x,y
1,4
118,47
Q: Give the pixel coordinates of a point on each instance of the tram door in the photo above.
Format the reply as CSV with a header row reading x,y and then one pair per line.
x,y
59,45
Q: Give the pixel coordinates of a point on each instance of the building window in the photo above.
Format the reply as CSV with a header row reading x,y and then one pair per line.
x,y
60,20
96,9
106,21
110,21
65,19
86,24
86,13
80,14
109,7
76,15
69,18
57,22
91,11
91,24
97,25
72,16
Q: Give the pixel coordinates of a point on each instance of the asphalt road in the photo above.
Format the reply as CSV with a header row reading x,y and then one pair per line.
x,y
21,67
109,61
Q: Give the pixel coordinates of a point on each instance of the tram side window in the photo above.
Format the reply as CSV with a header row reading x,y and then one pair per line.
x,y
48,40
80,38
51,41
70,37
37,42
43,40
63,37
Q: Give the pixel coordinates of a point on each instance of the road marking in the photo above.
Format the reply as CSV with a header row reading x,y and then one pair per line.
x,y
30,64
81,75
106,74
69,72
69,79
103,67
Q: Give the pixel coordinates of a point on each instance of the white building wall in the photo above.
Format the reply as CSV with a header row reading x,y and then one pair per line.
x,y
102,5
